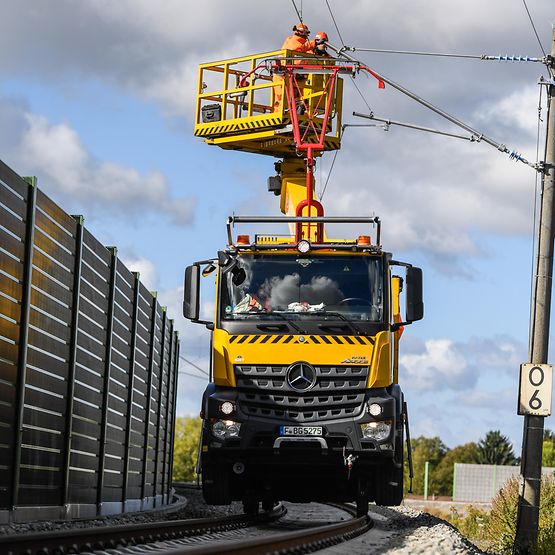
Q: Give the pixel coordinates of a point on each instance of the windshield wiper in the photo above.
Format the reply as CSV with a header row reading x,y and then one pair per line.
x,y
294,326
278,315
350,323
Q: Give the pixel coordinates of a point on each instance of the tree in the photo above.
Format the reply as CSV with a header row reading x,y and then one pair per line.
x,y
185,452
424,450
495,448
443,474
548,435
548,454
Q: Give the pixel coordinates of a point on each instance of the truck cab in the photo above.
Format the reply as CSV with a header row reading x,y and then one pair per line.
x,y
303,402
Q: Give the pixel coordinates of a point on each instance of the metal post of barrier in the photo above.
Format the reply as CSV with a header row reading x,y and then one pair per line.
x,y
106,380
74,324
127,447
159,415
23,335
175,377
165,464
426,476
149,392
453,494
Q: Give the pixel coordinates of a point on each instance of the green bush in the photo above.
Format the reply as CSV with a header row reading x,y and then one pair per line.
x,y
502,521
185,453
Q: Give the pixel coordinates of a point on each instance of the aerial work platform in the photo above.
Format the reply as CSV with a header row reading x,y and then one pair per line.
x,y
241,103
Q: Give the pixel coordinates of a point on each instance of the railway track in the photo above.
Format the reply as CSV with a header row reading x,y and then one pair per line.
x,y
306,527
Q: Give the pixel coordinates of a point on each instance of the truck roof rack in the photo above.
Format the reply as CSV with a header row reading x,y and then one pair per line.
x,y
374,220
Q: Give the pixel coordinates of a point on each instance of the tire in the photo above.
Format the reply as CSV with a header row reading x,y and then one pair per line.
x,y
389,486
250,505
215,485
389,482
362,497
268,505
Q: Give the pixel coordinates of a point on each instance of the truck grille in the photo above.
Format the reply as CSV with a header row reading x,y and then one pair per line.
x,y
338,393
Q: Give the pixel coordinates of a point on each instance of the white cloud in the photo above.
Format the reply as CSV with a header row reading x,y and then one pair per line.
x,y
148,274
439,364
56,154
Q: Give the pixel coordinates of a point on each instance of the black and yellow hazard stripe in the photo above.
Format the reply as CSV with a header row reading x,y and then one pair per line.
x,y
306,339
223,128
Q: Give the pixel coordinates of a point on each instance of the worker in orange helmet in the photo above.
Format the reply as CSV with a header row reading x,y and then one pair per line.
x,y
320,44
298,42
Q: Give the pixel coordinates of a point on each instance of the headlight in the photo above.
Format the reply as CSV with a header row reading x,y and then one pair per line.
x,y
227,407
303,246
374,409
377,431
225,429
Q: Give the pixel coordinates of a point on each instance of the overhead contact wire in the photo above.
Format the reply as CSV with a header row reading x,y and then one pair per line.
x,y
513,155
193,365
298,13
549,70
534,27
335,23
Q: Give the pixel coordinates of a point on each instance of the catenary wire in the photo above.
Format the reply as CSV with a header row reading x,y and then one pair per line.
x,y
410,52
534,27
533,273
513,155
335,23
193,364
298,13
360,93
192,375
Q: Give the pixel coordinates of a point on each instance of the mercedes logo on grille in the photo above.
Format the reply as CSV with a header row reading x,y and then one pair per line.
x,y
301,376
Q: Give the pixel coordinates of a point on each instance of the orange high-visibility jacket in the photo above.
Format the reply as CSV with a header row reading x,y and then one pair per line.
x,y
298,44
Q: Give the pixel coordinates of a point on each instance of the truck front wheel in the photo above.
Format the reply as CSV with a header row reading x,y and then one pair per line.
x,y
389,485
215,485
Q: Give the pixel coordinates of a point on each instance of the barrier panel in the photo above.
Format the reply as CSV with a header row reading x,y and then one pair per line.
x,y
88,369
480,483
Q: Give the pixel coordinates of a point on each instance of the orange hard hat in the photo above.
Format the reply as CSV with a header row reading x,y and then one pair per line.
x,y
321,36
301,29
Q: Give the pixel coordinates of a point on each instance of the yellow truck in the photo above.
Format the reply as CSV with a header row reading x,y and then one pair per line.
x,y
303,402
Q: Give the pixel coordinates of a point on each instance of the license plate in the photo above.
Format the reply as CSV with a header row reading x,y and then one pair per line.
x,y
300,430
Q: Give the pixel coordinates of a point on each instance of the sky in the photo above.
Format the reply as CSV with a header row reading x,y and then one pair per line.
x,y
97,101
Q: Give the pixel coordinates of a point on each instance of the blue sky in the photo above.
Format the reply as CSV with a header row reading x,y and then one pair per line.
x,y
96,99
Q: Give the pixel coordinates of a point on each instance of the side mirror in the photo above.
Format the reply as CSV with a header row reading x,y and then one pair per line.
x,y
415,304
191,298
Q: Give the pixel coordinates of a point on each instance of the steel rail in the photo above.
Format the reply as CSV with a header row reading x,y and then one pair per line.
x,y
305,541
122,535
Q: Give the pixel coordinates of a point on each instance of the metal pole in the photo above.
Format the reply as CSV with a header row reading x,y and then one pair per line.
x,y
129,416
74,326
532,442
426,475
106,379
23,336
159,393
149,396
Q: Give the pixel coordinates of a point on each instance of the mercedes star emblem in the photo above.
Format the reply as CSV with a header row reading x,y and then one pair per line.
x,y
301,376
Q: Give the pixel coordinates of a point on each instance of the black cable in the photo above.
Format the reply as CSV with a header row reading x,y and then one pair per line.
x,y
361,95
193,364
331,167
534,280
298,14
335,23
534,27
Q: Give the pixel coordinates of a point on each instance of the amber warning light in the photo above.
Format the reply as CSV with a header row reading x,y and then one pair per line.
x,y
243,240
363,240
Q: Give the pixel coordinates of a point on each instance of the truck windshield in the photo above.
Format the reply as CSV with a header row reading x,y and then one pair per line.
x,y
351,286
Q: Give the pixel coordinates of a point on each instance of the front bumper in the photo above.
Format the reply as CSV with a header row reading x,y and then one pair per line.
x,y
261,440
